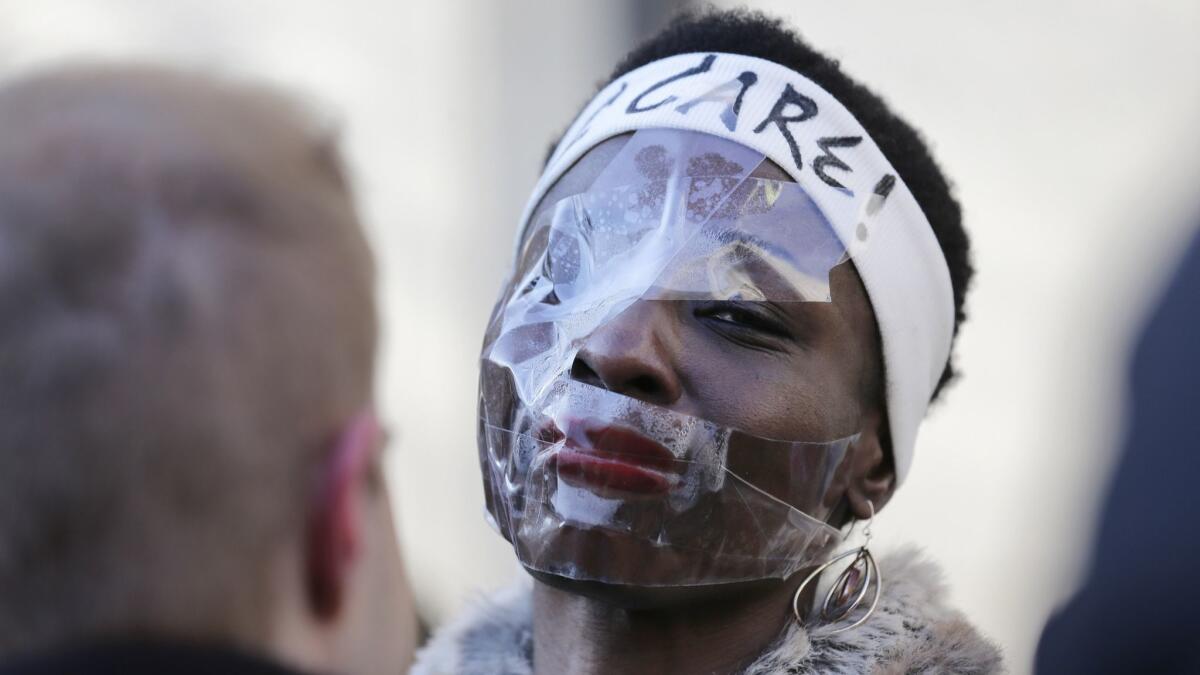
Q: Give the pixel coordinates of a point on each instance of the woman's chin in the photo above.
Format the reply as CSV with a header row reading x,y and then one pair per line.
x,y
634,573
635,597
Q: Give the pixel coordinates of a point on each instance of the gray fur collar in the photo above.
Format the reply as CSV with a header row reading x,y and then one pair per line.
x,y
911,632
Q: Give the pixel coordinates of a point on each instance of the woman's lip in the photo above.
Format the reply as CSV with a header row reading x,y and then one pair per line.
x,y
613,458
628,446
606,472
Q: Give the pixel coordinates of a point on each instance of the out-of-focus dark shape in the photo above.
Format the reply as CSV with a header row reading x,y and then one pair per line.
x,y
188,450
1137,612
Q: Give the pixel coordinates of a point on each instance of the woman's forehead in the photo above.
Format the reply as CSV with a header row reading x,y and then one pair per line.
x,y
579,178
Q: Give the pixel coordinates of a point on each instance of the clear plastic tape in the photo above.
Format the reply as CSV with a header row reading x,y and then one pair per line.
x,y
589,273
596,486
576,474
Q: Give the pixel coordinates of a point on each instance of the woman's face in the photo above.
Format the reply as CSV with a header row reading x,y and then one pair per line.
x,y
778,370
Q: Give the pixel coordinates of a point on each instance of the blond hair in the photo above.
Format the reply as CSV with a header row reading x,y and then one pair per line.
x,y
186,317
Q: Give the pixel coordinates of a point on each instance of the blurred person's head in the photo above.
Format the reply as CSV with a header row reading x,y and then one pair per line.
x,y
188,448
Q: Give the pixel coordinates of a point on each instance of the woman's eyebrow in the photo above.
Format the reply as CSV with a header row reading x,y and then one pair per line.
x,y
756,243
809,279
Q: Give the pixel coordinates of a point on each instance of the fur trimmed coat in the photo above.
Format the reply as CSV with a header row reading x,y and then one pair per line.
x,y
912,631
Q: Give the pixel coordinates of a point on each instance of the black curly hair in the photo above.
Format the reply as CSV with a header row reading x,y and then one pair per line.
x,y
752,33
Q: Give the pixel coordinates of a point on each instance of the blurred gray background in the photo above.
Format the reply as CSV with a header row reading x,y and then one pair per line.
x,y
1068,126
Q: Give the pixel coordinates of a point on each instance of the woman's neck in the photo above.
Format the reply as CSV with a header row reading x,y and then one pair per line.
x,y
582,634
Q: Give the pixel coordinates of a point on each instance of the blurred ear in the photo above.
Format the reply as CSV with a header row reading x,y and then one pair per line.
x,y
335,527
872,471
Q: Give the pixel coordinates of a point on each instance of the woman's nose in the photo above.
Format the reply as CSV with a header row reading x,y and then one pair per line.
x,y
629,355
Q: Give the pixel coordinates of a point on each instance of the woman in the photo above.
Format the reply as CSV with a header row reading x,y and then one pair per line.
x,y
736,290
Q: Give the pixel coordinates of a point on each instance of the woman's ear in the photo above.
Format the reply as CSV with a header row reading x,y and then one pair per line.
x,y
334,534
872,471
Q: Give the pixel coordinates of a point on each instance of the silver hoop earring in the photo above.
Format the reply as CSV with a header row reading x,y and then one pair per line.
x,y
851,587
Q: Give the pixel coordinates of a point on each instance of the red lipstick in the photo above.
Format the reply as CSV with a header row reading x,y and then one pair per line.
x,y
615,459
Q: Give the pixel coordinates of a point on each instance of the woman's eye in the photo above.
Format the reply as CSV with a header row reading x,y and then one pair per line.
x,y
741,317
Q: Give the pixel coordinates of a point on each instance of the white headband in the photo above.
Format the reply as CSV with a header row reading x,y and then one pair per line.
x,y
808,133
